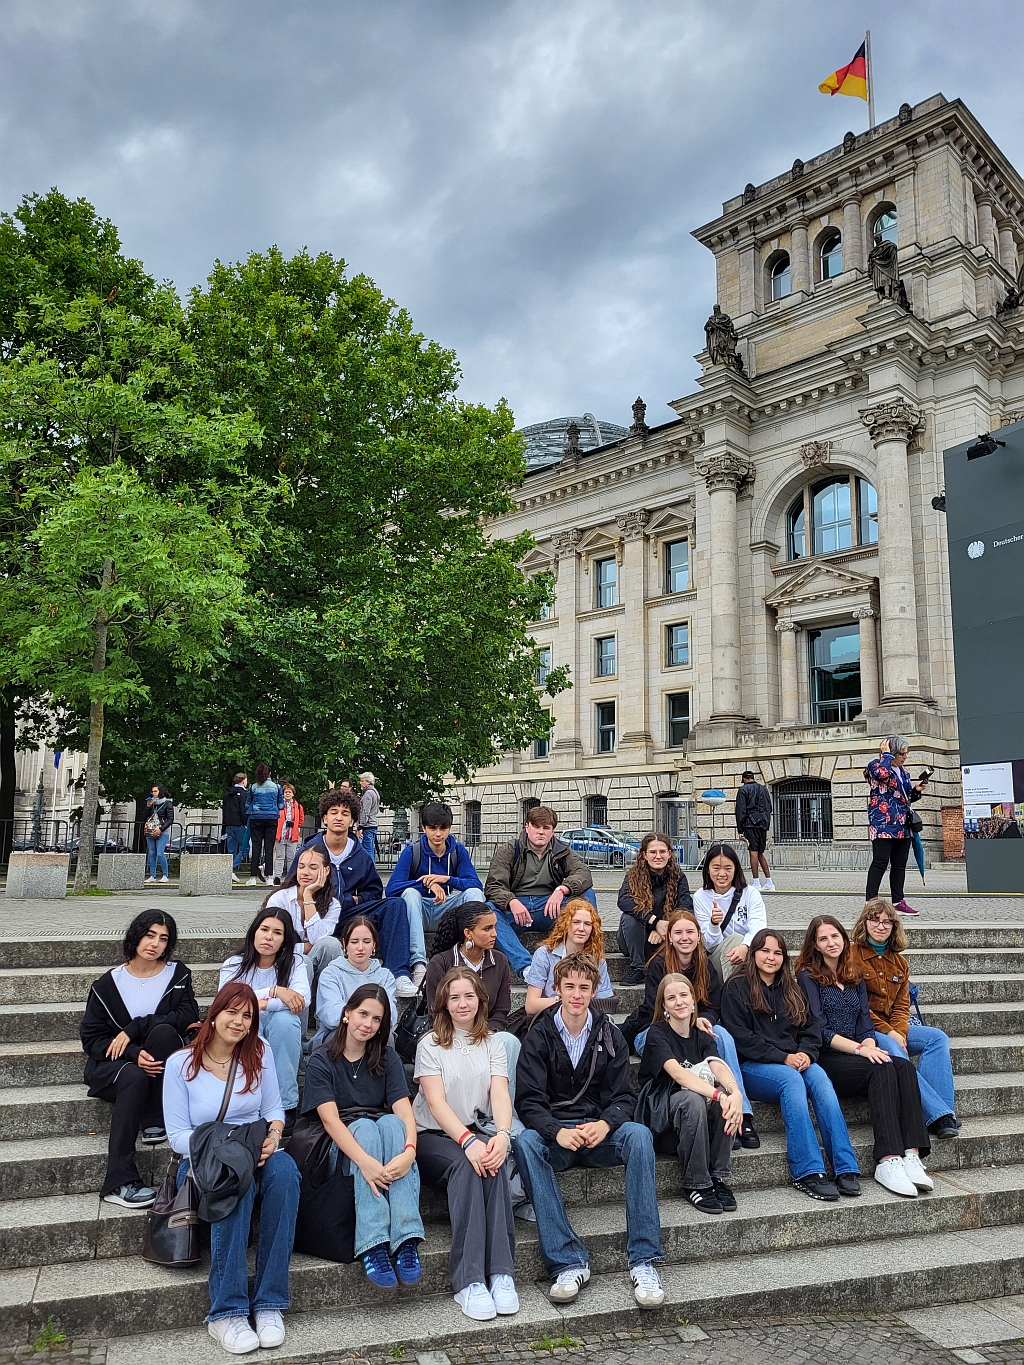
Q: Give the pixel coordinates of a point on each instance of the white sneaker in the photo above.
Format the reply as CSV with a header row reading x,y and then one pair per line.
x,y
647,1288
418,973
235,1335
270,1327
916,1172
476,1302
891,1175
503,1294
756,881
405,989
150,879
768,885
252,882
569,1284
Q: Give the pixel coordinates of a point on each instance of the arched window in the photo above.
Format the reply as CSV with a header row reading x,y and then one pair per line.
x,y
795,538
830,255
778,277
884,229
830,512
833,514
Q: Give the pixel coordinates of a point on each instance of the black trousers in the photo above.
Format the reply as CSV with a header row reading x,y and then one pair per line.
x,y
138,1103
894,1100
262,838
891,853
479,1208
632,939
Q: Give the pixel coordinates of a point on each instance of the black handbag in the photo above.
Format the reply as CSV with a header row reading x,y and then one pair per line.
x,y
652,1106
172,1222
414,1022
914,822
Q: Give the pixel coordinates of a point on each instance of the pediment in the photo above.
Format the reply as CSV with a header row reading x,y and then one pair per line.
x,y
539,560
597,539
668,519
821,583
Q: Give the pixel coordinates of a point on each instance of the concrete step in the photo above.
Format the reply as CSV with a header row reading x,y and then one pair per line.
x,y
987,1053
933,989
88,1297
40,1023
964,961
982,1017
104,951
63,985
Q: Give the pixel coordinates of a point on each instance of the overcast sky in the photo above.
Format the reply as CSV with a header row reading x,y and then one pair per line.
x,y
522,175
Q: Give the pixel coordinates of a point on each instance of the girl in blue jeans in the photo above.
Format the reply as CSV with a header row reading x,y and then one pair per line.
x,y
159,819
778,1042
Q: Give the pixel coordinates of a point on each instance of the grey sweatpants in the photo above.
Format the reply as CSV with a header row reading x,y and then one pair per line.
x,y
479,1208
703,1146
719,961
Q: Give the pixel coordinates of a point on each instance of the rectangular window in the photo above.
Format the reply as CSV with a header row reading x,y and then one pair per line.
x,y
677,566
597,810
678,718
606,727
545,612
835,674
868,512
678,642
541,748
606,583
474,820
604,666
543,666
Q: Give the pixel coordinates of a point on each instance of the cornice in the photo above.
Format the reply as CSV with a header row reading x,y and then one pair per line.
x,y
793,566
582,478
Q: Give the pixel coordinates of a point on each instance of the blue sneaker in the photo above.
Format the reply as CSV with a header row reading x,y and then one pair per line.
x,y
407,1263
379,1270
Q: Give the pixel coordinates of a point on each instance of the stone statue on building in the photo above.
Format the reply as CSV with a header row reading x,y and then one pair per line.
x,y
885,273
1015,293
639,427
722,339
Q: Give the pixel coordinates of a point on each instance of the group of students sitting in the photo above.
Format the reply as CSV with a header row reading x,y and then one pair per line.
x,y
503,1104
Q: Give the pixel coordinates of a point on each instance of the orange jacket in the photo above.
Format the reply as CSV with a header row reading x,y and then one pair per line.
x,y
887,977
294,835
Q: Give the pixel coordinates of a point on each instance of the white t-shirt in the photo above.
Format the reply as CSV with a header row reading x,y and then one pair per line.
x,y
750,915
466,1069
311,930
263,979
141,995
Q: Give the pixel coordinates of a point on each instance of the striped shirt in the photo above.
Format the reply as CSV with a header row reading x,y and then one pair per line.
x,y
574,1046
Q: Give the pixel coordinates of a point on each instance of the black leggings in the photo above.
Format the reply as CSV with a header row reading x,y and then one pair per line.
x,y
894,1099
138,1103
262,838
891,853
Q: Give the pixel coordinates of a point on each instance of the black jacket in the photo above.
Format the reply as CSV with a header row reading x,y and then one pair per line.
x,y
233,806
106,1016
545,1077
753,806
766,1037
163,808
643,1016
223,1158
659,880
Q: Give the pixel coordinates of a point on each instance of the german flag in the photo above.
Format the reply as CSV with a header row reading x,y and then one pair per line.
x,y
849,80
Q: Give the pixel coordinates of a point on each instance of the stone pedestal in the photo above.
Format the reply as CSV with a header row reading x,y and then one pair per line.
x,y
121,871
205,874
38,876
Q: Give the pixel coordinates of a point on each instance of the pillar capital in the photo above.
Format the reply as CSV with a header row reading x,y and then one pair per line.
x,y
895,421
864,613
566,543
725,471
791,626
633,525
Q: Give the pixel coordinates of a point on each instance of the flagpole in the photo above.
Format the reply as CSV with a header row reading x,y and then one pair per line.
x,y
870,80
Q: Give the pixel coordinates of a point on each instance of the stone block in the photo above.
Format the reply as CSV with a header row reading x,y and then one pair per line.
x,y
121,871
38,876
205,874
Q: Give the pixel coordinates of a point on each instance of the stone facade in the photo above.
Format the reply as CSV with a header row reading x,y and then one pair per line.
x,y
861,372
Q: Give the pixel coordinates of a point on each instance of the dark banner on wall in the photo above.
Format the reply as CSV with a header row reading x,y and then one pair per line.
x,y
985,529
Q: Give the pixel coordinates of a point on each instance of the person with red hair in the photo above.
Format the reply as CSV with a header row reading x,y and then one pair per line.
x,y
195,1080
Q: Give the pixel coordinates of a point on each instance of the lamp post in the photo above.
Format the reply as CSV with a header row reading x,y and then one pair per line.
x,y
713,797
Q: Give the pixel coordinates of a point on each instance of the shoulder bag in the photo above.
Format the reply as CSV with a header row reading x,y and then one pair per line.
x,y
172,1223
413,1023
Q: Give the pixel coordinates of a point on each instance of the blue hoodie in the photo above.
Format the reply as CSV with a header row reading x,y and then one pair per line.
x,y
454,863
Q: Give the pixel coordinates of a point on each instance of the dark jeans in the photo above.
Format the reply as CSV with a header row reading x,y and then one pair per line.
x,y
891,853
632,939
894,1102
234,843
262,838
479,1208
138,1103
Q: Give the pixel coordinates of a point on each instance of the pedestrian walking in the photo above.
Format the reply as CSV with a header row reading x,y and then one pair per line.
x,y
369,814
264,802
159,819
891,819
753,818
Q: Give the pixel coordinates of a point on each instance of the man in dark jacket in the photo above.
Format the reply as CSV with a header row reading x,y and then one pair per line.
x,y
574,1095
233,819
528,880
753,816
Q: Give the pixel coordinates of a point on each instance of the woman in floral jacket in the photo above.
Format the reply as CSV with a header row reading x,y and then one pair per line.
x,y
892,795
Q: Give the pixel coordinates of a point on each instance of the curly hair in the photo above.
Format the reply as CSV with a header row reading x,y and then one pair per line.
x,y
594,945
452,926
699,971
639,879
812,959
794,1001
339,798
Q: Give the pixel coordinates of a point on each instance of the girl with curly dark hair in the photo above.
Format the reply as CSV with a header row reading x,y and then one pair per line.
x,y
653,887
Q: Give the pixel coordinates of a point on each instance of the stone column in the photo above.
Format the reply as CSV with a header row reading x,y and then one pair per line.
x,y
853,241
634,728
789,673
799,265
868,658
724,474
1007,249
986,224
891,426
566,746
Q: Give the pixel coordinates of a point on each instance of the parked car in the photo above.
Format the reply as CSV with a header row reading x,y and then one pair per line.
x,y
195,843
600,846
100,845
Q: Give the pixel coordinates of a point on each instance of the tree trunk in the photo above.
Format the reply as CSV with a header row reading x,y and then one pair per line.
x,y
8,773
90,802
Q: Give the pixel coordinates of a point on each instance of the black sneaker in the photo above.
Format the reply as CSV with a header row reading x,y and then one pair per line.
x,y
133,1196
153,1137
747,1135
848,1184
945,1127
705,1200
817,1187
632,976
725,1196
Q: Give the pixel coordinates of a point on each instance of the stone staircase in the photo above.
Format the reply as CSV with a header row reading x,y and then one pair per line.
x,y
65,1255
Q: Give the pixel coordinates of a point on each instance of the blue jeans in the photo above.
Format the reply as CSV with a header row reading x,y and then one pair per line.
x,y
283,1031
509,931
776,1083
368,842
425,913
631,1146
229,1275
384,1219
934,1069
235,842
157,856
726,1051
